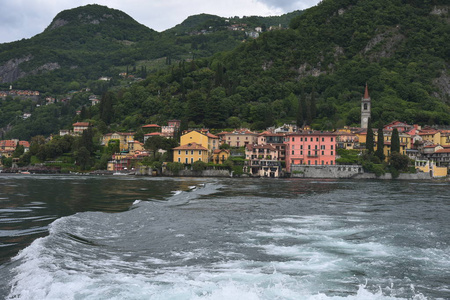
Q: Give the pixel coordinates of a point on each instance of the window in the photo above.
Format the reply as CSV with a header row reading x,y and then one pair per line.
x,y
315,147
331,162
309,152
301,146
331,139
365,106
238,138
293,147
179,152
323,153
192,160
323,140
293,139
331,147
315,162
323,162
317,139
292,152
301,139
187,152
199,152
179,159
332,153
301,152
309,147
186,160
309,162
311,139
192,152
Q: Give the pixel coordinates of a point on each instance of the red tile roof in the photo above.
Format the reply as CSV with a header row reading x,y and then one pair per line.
x,y
151,126
447,150
191,146
26,144
81,124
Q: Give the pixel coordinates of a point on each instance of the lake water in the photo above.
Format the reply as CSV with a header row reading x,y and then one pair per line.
x,y
125,237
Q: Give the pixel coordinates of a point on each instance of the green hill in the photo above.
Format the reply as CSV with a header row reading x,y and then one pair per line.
x,y
85,43
313,73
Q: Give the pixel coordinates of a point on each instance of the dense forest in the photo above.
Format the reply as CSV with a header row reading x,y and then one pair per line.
x,y
312,73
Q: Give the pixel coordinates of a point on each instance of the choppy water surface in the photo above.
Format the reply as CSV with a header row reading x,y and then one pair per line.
x,y
165,238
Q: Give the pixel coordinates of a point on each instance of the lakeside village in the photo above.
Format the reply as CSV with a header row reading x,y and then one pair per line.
x,y
407,151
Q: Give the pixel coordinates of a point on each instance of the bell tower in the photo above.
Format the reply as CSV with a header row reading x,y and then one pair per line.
x,y
365,108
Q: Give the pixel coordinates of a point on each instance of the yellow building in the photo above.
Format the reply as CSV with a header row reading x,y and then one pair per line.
x,y
135,146
190,153
207,140
220,156
428,166
124,139
445,138
430,135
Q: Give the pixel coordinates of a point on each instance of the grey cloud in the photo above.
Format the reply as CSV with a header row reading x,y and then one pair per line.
x,y
288,5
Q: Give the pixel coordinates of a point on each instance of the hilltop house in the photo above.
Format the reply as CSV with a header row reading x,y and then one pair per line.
x,y
79,127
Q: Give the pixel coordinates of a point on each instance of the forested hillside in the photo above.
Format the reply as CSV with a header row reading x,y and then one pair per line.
x,y
313,73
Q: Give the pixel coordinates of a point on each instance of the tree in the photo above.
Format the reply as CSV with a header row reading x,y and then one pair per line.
x,y
139,135
106,107
369,138
399,161
300,111
18,152
86,140
155,143
380,144
395,141
83,158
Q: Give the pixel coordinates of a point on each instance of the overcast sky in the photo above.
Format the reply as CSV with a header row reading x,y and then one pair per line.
x,y
26,18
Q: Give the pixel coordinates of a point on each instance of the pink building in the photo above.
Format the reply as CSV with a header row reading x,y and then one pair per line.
x,y
262,160
310,148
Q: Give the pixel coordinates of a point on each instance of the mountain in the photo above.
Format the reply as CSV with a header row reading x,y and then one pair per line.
x,y
90,41
313,73
86,43
76,38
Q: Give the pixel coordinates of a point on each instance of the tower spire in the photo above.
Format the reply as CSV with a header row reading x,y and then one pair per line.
x,y
366,92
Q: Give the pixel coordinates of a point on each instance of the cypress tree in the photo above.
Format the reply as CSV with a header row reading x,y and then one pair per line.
x,y
300,111
369,138
380,144
313,103
395,141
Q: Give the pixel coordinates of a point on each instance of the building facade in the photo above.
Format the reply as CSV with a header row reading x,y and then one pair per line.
x,y
190,153
365,108
310,148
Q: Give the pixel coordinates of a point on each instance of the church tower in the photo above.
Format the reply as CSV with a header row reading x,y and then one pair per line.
x,y
365,108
